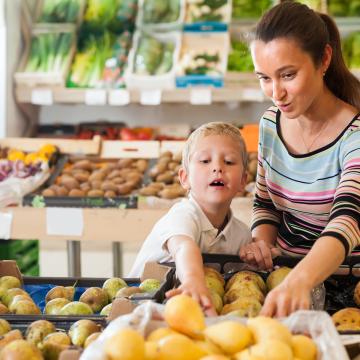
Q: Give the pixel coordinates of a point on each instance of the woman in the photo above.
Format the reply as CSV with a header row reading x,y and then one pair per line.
x,y
307,198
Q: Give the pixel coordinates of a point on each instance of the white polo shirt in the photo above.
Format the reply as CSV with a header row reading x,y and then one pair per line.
x,y
187,218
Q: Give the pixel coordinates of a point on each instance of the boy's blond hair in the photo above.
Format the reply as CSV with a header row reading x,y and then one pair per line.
x,y
213,128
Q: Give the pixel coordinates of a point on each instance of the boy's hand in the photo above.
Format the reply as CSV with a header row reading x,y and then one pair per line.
x,y
198,291
259,254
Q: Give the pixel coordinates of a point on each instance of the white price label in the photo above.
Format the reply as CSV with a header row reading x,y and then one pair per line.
x,y
64,221
249,94
119,97
42,97
5,225
150,97
200,97
95,97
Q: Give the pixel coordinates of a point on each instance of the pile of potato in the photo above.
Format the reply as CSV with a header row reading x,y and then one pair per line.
x,y
244,293
165,181
95,178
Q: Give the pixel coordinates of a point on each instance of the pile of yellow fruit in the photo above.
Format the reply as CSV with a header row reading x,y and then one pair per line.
x,y
186,337
43,155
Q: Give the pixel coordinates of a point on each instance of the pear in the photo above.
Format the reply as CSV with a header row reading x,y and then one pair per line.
x,y
244,290
51,350
160,333
112,286
105,311
91,338
17,298
243,306
303,347
2,291
4,327
216,357
95,297
26,307
128,291
272,350
179,347
9,337
20,349
3,309
150,285
266,328
126,344
211,272
214,284
9,282
54,306
182,313
37,330
76,308
216,301
151,350
230,336
11,293
58,338
60,292
209,347
80,330
245,276
276,277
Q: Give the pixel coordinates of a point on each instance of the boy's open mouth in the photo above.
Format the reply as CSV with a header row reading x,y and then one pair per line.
x,y
217,183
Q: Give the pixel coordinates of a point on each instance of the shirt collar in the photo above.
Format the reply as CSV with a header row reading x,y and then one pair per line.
x,y
206,225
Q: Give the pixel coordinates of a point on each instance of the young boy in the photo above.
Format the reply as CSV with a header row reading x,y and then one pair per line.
x,y
213,170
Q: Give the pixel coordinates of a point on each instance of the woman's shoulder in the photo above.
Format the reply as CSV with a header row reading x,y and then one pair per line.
x,y
270,116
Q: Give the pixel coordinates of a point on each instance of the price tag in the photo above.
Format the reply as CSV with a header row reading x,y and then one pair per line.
x,y
42,97
200,97
249,94
5,225
150,97
95,97
119,97
64,221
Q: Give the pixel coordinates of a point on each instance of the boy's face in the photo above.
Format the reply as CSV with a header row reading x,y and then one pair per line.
x,y
215,173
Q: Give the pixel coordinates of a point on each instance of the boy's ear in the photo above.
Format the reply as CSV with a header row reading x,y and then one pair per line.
x,y
183,177
243,181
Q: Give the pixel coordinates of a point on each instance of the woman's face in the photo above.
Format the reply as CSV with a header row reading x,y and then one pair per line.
x,y
288,75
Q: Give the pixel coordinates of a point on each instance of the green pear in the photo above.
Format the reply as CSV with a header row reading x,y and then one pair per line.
x,y
80,330
105,311
2,291
58,337
26,307
4,327
150,285
20,349
76,308
51,350
9,337
91,338
11,293
276,277
54,306
60,292
112,286
95,297
3,309
9,282
37,330
128,291
16,299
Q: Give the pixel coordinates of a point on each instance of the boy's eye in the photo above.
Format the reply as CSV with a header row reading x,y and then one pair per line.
x,y
204,161
229,162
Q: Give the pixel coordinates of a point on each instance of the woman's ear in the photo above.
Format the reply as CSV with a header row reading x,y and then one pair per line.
x,y
184,179
326,58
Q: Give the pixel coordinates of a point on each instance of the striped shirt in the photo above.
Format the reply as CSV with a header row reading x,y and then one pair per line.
x,y
311,195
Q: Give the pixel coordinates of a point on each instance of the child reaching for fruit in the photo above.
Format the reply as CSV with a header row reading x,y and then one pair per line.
x,y
213,171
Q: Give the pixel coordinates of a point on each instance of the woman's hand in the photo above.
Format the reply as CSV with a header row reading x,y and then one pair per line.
x,y
259,254
286,298
198,291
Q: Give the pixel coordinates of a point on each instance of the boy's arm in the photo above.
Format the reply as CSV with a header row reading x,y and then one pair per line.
x,y
190,270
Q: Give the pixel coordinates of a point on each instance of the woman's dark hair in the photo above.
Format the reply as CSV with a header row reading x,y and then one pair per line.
x,y
312,31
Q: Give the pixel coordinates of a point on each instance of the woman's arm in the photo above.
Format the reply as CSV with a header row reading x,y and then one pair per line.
x,y
294,292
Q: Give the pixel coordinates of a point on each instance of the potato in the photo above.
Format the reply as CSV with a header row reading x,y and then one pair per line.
x,y
83,164
134,177
157,185
124,163
141,165
96,185
48,192
95,193
97,175
118,180
168,193
110,194
62,191
172,165
114,174
166,177
69,182
166,154
148,191
85,187
77,193
81,176
177,157
108,186
123,189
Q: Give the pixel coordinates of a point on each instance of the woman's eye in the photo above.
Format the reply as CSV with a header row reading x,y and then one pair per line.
x,y
288,76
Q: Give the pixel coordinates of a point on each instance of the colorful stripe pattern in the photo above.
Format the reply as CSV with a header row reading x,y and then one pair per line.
x,y
309,195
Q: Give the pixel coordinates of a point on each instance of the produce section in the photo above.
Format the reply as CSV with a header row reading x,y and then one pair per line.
x,y
107,180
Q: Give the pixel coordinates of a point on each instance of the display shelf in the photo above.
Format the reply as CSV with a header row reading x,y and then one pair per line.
x,y
231,92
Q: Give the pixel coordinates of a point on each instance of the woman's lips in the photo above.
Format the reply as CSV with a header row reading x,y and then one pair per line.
x,y
284,107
